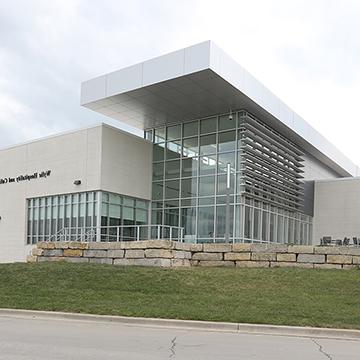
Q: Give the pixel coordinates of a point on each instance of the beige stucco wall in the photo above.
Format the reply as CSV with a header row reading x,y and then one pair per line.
x,y
70,156
126,163
102,157
337,208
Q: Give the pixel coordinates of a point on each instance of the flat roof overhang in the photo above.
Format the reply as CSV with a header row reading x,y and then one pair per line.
x,y
197,82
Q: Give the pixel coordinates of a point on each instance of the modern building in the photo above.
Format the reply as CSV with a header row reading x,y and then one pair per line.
x,y
222,159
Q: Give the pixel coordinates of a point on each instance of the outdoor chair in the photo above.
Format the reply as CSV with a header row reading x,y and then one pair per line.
x,y
326,240
346,241
338,242
355,241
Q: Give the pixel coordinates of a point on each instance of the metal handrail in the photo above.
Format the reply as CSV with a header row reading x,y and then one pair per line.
x,y
119,233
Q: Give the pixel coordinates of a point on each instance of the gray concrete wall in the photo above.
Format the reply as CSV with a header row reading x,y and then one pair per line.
x,y
126,163
337,208
316,170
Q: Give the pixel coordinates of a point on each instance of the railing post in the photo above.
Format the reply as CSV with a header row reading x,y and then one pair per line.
x,y
170,236
182,235
117,233
137,233
158,232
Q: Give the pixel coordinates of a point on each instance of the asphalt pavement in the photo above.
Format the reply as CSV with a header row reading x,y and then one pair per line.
x,y
26,338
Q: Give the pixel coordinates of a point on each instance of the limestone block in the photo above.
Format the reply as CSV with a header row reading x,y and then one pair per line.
x,y
179,254
76,259
78,245
240,247
50,258
36,251
46,245
328,250
301,249
311,258
327,266
134,254
207,256
339,259
101,261
100,245
31,259
61,244
217,247
263,256
181,246
253,264
232,256
291,264
73,252
55,252
194,262
159,253
159,244
115,253
269,248
196,247
350,267
134,244
350,250
95,253
180,263
355,260
286,257
216,263
143,262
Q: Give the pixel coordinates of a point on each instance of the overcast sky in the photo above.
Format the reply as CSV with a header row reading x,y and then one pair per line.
x,y
307,52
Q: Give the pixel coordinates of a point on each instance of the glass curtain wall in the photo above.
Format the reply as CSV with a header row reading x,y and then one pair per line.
x,y
189,185
50,215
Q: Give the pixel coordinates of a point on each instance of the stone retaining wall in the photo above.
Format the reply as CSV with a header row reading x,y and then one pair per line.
x,y
164,253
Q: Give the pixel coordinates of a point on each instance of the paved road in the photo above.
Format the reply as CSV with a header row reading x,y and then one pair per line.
x,y
43,339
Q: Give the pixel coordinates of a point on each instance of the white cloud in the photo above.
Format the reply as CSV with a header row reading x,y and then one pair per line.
x,y
306,52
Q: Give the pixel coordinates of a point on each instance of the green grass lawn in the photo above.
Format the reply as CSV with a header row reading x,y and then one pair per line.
x,y
306,297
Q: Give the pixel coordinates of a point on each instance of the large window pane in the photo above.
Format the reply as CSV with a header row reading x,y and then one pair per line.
x,y
225,122
208,125
224,159
188,222
159,135
206,222
172,189
189,167
227,141
173,150
190,147
158,152
158,171
222,183
157,190
188,187
207,185
207,165
172,169
207,144
174,132
221,220
191,128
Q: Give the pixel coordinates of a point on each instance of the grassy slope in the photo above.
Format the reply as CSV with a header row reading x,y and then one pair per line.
x,y
329,298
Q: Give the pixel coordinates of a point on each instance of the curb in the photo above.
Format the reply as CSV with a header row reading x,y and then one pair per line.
x,y
278,330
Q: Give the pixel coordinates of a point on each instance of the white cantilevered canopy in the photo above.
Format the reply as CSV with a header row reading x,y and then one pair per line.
x,y
196,82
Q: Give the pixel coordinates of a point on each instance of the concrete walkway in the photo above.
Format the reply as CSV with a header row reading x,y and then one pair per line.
x,y
30,336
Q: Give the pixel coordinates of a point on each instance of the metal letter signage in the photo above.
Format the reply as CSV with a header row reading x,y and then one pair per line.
x,y
26,177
